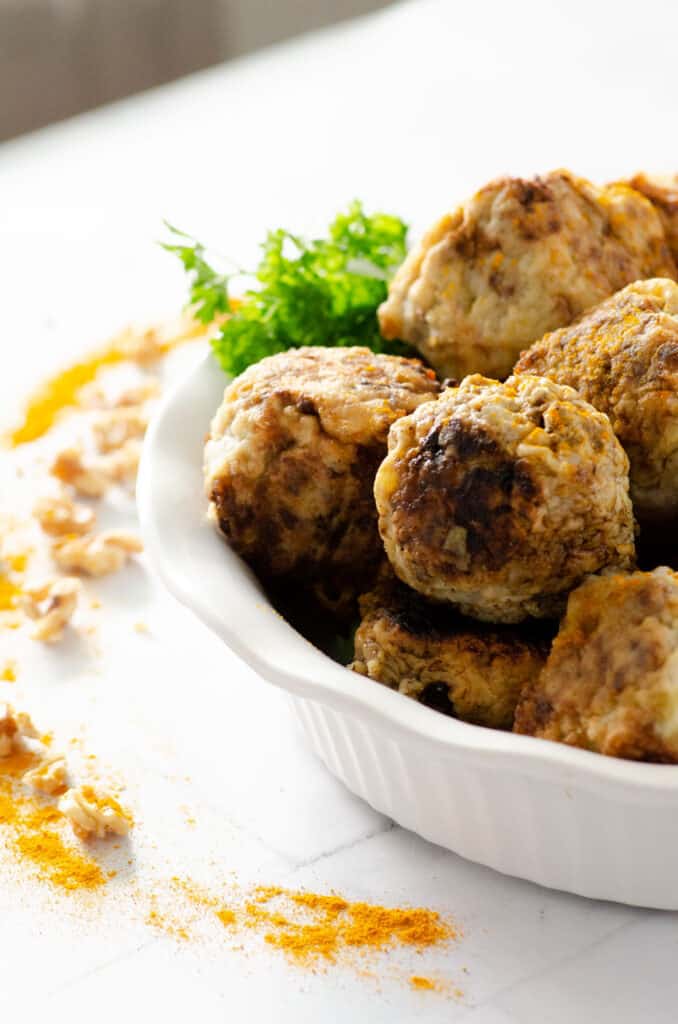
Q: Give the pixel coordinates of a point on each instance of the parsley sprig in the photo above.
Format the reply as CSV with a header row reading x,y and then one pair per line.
x,y
319,292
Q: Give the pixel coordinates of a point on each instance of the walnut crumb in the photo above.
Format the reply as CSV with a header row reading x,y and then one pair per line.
x,y
113,428
89,480
59,516
121,466
94,814
93,477
14,726
51,604
98,554
49,777
141,346
93,396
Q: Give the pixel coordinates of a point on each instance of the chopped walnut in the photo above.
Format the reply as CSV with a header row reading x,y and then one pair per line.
x,y
98,554
49,776
94,814
112,429
13,727
121,466
93,478
59,516
93,396
142,346
89,480
51,604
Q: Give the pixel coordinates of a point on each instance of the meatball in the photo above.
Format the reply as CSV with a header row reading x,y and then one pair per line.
x,y
622,357
662,191
455,665
500,498
520,258
291,458
610,682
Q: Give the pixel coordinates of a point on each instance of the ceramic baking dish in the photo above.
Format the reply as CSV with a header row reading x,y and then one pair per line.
x,y
562,817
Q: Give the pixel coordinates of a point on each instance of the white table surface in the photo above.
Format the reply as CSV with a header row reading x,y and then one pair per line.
x,y
409,109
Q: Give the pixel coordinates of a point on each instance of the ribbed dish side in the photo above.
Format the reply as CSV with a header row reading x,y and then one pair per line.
x,y
552,833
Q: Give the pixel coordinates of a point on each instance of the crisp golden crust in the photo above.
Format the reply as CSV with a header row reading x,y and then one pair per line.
x,y
611,681
500,498
520,258
292,454
662,191
458,666
622,357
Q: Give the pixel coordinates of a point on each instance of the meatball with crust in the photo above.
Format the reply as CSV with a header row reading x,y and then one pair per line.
x,y
291,458
622,357
611,680
461,667
662,191
520,258
500,498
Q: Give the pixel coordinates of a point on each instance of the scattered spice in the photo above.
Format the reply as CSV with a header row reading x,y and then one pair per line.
x,y
33,832
61,392
8,672
164,923
310,927
417,981
10,592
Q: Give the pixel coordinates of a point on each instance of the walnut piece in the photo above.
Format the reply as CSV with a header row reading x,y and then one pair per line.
x,y
51,604
113,428
94,814
93,477
96,555
121,466
14,726
87,479
59,516
141,346
94,396
49,776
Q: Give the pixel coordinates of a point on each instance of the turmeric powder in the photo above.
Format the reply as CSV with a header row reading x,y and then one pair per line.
x,y
8,671
33,830
61,392
330,925
419,982
10,592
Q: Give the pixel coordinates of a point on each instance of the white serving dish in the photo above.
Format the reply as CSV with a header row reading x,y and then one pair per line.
x,y
565,818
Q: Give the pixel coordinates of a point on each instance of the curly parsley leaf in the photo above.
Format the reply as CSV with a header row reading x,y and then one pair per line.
x,y
319,292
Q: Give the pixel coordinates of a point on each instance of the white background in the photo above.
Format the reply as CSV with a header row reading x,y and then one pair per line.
x,y
410,110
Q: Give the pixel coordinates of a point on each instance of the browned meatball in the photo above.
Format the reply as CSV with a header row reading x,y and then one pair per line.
x,y
455,665
291,458
622,357
520,258
500,498
662,191
611,681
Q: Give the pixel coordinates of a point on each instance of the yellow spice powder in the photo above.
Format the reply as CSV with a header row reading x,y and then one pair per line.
x,y
33,831
8,672
419,982
60,392
309,927
10,591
